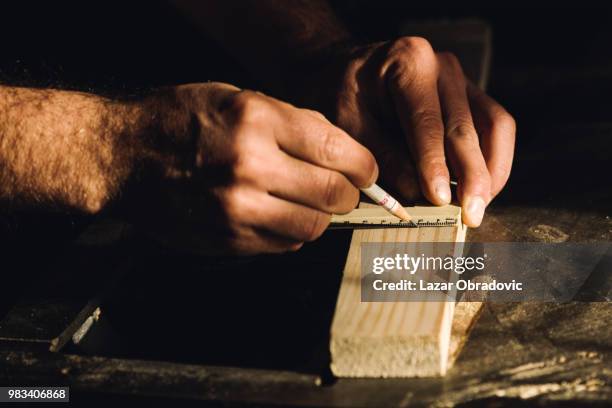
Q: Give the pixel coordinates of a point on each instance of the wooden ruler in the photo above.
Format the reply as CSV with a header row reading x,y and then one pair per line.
x,y
376,217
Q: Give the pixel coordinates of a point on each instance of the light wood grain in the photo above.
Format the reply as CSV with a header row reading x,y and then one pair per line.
x,y
395,338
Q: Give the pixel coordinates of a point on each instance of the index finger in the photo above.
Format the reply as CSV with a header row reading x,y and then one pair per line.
x,y
314,139
412,84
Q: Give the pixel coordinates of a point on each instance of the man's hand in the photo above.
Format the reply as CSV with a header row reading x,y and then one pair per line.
x,y
250,173
411,106
205,167
424,122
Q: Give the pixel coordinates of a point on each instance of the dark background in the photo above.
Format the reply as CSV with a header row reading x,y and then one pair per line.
x,y
549,61
551,68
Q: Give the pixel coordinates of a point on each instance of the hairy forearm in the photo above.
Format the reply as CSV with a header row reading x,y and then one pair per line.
x,y
64,149
269,36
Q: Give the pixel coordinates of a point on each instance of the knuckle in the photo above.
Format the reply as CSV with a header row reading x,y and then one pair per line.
x,y
316,114
329,148
347,198
411,45
235,203
428,119
407,57
247,169
462,131
415,49
316,226
247,106
332,190
339,195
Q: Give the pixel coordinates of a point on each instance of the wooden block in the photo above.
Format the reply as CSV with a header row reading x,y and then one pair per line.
x,y
395,338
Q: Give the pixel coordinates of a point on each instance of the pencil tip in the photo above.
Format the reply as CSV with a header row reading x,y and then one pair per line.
x,y
402,213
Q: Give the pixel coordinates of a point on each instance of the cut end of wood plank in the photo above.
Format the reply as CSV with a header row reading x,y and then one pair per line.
x,y
398,356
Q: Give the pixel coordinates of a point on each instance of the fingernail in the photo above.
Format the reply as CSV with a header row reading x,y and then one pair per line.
x,y
442,190
474,210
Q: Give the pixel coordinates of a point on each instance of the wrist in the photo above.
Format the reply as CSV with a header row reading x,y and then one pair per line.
x,y
160,133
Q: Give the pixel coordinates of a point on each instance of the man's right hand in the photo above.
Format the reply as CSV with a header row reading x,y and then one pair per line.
x,y
246,173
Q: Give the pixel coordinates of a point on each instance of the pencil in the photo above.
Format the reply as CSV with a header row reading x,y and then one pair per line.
x,y
384,199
